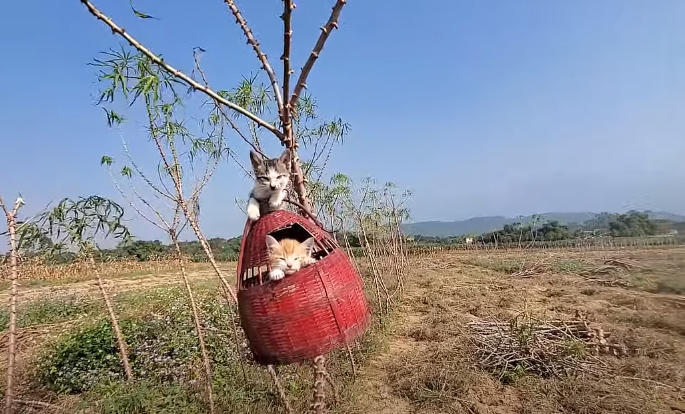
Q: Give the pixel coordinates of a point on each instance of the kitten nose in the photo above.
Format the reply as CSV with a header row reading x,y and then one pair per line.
x,y
289,265
273,187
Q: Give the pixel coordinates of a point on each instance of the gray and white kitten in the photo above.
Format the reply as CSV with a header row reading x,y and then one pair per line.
x,y
271,182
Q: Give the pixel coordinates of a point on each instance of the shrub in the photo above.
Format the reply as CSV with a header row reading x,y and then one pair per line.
x,y
79,360
163,347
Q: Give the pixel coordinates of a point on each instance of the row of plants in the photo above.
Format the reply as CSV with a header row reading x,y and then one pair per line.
x,y
188,354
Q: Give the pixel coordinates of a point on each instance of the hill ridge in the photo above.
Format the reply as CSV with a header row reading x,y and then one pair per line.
x,y
482,224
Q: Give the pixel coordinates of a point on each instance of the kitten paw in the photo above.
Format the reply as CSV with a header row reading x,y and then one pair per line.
x,y
276,274
276,201
253,212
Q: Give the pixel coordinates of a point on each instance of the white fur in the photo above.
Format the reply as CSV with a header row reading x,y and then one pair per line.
x,y
253,209
277,198
270,186
276,274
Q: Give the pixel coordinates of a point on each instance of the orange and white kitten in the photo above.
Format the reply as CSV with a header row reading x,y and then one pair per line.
x,y
288,256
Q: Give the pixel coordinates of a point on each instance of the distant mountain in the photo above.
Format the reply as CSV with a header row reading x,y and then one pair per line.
x,y
478,225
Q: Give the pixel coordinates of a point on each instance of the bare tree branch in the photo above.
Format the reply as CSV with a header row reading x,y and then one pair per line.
x,y
141,174
248,173
286,120
260,55
175,72
326,30
182,202
193,306
136,209
11,217
256,148
121,343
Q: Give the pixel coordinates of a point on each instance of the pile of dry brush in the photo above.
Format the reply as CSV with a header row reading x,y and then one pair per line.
x,y
547,348
604,274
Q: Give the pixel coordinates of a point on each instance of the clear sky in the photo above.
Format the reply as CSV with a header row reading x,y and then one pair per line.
x,y
480,107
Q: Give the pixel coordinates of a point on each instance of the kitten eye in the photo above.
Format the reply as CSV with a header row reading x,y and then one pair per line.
x,y
263,179
281,176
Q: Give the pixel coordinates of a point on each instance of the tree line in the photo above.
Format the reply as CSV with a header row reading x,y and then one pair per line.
x,y
630,224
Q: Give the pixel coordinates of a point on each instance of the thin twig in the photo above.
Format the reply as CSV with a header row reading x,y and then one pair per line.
x,y
196,318
279,388
175,72
351,358
329,380
252,41
182,202
657,383
134,207
121,343
221,109
157,192
326,30
39,404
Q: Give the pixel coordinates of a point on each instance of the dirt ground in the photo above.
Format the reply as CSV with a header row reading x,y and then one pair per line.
x,y
121,283
430,367
430,362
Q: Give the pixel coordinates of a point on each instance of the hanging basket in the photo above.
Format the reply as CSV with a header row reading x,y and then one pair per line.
x,y
309,313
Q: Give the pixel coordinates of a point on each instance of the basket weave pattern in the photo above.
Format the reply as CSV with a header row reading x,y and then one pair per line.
x,y
309,313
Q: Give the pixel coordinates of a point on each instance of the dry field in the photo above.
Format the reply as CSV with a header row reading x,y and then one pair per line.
x,y
591,332
487,333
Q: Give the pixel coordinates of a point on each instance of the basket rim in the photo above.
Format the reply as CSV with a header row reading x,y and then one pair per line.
x,y
249,225
300,275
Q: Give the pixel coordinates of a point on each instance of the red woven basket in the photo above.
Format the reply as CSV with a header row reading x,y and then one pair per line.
x,y
309,313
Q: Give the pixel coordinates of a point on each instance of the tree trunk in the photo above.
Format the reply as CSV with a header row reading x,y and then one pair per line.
x,y
12,351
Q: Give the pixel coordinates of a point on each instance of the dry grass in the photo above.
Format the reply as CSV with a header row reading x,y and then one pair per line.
x,y
538,333
33,270
495,333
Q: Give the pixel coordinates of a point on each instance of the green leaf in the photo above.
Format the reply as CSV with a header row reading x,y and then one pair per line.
x,y
113,117
106,160
139,14
126,171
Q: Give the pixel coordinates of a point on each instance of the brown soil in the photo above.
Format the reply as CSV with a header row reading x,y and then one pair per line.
x,y
429,366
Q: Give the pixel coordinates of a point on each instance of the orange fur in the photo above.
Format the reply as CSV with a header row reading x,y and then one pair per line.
x,y
287,256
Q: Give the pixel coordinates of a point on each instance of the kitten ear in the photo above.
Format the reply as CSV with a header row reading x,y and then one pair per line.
x,y
255,159
308,245
271,243
285,158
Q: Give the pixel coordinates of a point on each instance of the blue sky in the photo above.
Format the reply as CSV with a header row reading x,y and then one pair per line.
x,y
480,107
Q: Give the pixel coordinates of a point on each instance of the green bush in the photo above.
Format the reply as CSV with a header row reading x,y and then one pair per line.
x,y
81,359
163,347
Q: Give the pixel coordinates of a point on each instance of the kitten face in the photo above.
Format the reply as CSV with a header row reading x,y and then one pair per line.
x,y
270,174
288,256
